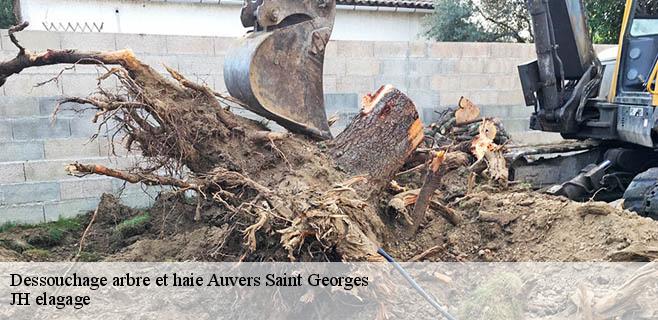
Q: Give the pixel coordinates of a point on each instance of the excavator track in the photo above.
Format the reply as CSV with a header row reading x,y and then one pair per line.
x,y
550,164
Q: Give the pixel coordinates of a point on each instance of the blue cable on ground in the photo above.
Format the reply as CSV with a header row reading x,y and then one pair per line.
x,y
414,284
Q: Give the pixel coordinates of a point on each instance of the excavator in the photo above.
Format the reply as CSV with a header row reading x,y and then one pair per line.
x,y
603,105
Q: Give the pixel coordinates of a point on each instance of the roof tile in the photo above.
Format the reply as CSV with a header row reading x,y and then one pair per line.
x,y
418,4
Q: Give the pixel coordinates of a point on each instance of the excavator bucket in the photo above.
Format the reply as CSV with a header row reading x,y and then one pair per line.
x,y
276,69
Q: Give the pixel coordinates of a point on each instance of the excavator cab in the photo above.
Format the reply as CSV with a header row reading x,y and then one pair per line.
x,y
276,69
583,97
607,101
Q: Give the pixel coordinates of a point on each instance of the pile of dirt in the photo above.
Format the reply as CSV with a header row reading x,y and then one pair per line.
x,y
499,225
522,225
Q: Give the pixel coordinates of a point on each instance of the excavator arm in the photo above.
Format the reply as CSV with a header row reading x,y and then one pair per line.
x,y
276,69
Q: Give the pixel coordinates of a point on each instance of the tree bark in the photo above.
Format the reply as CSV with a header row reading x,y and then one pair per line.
x,y
380,138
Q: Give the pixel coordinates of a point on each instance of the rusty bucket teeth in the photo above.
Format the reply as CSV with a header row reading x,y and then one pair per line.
x,y
277,71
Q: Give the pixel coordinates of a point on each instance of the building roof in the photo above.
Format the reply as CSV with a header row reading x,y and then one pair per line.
x,y
416,4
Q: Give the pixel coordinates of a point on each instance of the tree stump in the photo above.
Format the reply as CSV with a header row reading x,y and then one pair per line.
x,y
380,138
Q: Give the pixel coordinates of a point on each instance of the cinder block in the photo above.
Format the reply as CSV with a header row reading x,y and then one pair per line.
x,y
508,50
475,49
441,82
123,188
35,41
19,106
5,130
69,208
474,82
423,99
82,85
191,64
445,50
511,97
359,84
41,128
505,82
141,43
46,170
330,52
424,67
137,201
12,172
335,66
328,82
25,85
106,149
81,189
341,103
391,49
362,67
23,214
73,111
450,98
158,62
482,97
418,49
500,66
21,151
190,45
423,83
24,193
89,41
47,105
398,67
223,45
428,115
356,49
447,66
516,125
84,128
71,148
399,82
472,65
220,84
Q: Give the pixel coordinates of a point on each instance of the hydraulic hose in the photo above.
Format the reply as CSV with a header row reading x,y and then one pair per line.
x,y
415,285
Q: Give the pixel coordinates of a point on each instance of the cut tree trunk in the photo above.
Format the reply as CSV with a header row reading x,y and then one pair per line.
x,y
380,138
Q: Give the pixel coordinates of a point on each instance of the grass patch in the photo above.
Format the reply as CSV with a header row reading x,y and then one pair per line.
x,y
54,233
37,254
495,299
134,226
18,245
10,226
7,226
89,257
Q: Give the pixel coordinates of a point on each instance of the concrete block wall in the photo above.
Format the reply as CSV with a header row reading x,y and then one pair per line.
x,y
34,149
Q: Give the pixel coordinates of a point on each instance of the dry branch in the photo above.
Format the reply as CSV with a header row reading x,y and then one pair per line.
x,y
440,163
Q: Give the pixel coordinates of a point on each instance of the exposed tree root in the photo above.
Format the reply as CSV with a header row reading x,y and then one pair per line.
x,y
269,184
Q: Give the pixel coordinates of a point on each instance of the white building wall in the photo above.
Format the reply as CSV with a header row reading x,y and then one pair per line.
x,y
206,19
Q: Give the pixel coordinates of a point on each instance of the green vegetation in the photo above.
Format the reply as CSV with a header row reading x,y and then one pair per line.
x,y
37,254
481,21
7,18
53,233
495,299
89,257
8,226
509,21
134,226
